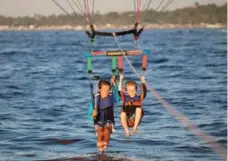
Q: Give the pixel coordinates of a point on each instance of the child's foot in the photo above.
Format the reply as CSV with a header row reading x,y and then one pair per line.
x,y
105,145
101,149
135,131
100,146
127,132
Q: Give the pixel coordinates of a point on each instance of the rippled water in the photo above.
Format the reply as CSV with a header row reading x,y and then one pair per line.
x,y
44,95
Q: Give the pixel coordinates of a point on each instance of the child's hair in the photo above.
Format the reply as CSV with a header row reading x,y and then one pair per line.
x,y
131,83
103,82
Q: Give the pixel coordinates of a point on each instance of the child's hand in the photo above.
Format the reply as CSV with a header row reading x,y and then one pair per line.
x,y
143,79
121,77
94,114
113,130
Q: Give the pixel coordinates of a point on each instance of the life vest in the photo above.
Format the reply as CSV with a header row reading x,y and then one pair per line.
x,y
132,102
105,108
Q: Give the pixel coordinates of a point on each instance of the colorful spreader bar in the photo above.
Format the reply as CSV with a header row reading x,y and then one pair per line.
x,y
117,57
118,53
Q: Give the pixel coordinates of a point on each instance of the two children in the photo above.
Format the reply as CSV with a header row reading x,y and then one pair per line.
x,y
103,113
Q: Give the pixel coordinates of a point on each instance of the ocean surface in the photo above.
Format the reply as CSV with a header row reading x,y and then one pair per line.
x,y
44,95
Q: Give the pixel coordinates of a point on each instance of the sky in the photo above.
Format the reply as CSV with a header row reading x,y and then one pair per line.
x,y
47,7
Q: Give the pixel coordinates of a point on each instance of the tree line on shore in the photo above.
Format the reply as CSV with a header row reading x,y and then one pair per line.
x,y
210,13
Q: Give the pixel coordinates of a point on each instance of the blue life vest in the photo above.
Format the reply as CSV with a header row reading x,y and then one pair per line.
x,y
107,102
103,103
105,108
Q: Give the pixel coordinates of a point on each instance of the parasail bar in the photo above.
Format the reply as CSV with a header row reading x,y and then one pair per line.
x,y
117,53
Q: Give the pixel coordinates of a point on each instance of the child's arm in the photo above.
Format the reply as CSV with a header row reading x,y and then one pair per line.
x,y
121,87
113,80
114,98
95,108
115,93
120,82
143,88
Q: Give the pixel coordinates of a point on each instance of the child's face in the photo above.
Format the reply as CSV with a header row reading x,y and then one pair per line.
x,y
104,91
131,90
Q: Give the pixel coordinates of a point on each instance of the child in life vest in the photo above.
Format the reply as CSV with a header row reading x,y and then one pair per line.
x,y
132,112
103,113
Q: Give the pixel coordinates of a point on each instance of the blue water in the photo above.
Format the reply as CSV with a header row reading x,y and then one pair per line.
x,y
44,95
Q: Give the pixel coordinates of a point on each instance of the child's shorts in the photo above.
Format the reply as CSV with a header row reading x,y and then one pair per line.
x,y
131,119
102,124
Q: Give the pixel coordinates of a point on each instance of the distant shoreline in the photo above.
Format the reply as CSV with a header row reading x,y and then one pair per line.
x,y
109,26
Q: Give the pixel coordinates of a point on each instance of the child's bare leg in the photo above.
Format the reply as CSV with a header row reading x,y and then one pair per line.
x,y
138,115
107,132
123,118
100,137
